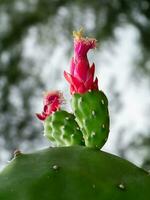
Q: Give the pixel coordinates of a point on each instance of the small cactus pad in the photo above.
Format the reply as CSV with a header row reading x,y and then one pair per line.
x,y
91,111
62,130
73,173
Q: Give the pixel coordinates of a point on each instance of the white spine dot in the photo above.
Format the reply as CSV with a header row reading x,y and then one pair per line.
x,y
103,126
102,101
121,186
93,112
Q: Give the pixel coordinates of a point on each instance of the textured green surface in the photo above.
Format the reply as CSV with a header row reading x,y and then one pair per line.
x,y
73,173
91,111
62,130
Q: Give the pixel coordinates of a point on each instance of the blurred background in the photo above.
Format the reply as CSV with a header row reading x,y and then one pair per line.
x,y
36,47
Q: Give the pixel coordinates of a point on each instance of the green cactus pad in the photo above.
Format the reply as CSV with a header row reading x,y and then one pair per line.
x,y
91,111
62,130
73,173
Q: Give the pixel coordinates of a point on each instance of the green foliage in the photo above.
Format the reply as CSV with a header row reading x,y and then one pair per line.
x,y
71,173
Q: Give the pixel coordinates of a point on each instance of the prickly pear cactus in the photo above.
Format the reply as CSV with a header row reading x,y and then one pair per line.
x,y
91,111
73,173
60,126
62,130
76,172
89,104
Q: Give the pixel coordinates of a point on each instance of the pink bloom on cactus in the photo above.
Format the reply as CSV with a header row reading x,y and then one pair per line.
x,y
52,102
81,76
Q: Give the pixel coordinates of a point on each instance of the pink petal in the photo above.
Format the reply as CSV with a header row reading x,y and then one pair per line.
x,y
91,71
47,110
72,89
82,89
50,96
82,46
41,116
72,80
55,105
95,84
68,77
81,69
72,66
89,82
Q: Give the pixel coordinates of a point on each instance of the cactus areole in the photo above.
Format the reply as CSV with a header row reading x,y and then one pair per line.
x,y
74,168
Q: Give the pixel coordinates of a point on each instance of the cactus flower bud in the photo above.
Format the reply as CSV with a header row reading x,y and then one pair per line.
x,y
81,76
52,102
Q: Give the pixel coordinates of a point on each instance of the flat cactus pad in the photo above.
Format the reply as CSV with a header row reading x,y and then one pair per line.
x,y
73,173
62,130
92,116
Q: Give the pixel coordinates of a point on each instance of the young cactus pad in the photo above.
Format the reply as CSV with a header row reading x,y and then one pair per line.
x,y
90,108
62,130
91,111
72,173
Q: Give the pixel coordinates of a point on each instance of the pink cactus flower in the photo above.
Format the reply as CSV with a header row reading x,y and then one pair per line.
x,y
81,76
52,102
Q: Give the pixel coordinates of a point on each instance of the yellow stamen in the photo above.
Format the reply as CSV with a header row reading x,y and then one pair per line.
x,y
78,34
45,93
